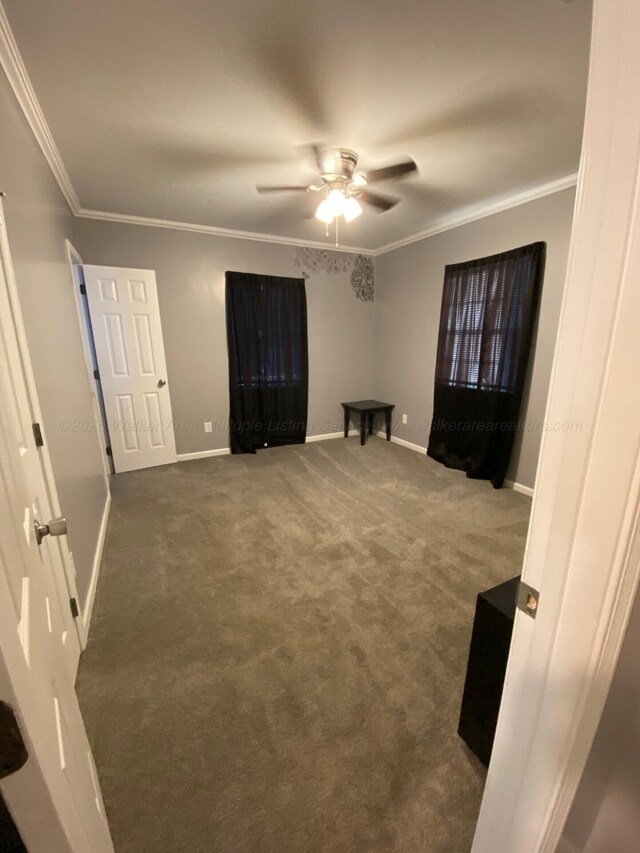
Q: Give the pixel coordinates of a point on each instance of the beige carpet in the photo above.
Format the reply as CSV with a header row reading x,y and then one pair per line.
x,y
278,651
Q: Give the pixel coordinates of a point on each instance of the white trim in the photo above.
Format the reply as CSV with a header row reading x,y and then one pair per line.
x,y
465,215
225,451
324,437
18,78
202,454
87,610
509,484
518,487
216,231
19,81
402,442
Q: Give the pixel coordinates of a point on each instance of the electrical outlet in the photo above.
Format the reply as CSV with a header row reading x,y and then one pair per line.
x,y
207,426
404,419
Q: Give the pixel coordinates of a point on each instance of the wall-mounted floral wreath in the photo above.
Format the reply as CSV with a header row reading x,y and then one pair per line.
x,y
362,270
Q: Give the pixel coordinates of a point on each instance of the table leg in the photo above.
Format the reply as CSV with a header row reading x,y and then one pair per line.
x,y
346,422
387,420
370,419
363,421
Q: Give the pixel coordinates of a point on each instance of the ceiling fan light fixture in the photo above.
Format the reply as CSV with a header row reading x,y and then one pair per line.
x,y
336,201
352,209
324,212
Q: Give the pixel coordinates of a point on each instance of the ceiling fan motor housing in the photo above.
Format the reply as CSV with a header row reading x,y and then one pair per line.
x,y
337,164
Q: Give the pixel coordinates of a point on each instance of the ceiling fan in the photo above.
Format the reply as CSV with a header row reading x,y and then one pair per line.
x,y
345,187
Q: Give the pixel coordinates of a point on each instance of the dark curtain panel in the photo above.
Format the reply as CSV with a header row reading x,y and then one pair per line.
x,y
487,320
268,360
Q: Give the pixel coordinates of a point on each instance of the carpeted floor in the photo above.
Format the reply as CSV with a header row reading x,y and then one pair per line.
x,y
278,650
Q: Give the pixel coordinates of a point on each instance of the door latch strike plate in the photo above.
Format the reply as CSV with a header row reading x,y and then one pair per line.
x,y
528,599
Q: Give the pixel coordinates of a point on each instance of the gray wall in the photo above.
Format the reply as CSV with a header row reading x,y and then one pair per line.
x,y
408,293
38,221
357,349
605,817
190,272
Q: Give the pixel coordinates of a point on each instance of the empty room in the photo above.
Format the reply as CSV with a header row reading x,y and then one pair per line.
x,y
318,430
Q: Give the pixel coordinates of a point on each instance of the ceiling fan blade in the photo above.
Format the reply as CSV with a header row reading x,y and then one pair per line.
x,y
316,153
379,201
397,170
263,189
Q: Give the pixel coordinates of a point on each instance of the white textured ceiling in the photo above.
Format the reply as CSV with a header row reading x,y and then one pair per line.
x,y
175,110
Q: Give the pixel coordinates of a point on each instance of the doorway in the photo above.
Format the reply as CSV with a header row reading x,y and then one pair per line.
x,y
88,344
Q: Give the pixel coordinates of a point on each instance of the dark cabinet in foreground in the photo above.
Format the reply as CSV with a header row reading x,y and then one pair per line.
x,y
488,655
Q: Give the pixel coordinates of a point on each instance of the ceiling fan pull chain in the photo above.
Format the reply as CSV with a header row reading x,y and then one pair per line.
x,y
337,226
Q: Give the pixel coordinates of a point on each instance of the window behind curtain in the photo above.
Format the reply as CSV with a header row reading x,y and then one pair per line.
x,y
482,321
268,360
486,328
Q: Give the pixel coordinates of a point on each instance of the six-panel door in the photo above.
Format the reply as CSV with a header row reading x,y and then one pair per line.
x,y
125,319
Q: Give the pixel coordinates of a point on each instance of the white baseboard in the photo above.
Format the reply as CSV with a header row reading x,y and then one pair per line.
x,y
402,442
510,484
324,437
203,454
87,610
518,487
225,451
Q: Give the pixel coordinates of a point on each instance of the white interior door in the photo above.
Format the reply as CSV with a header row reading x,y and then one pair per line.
x,y
54,798
583,548
59,570
125,318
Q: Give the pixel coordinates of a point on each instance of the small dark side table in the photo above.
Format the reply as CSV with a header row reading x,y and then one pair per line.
x,y
367,409
488,655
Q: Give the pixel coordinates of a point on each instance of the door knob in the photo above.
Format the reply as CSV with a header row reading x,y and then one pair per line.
x,y
56,527
161,383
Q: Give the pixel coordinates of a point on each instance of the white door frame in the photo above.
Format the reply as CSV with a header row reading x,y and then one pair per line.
x,y
75,260
583,548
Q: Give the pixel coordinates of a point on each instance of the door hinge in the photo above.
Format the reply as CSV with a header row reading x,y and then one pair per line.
x,y
83,289
74,608
37,434
96,375
13,751
108,451
528,599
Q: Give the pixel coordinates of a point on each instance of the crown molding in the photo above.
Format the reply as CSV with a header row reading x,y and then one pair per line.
x,y
462,217
19,81
18,78
127,219
470,214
